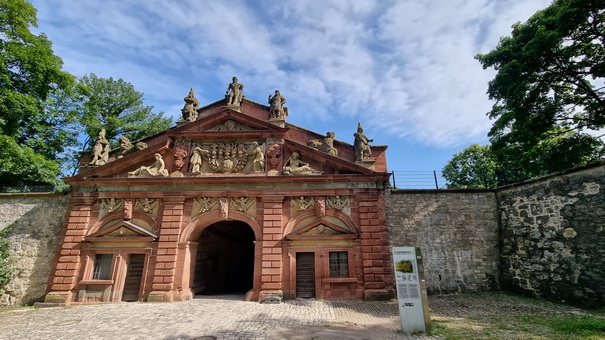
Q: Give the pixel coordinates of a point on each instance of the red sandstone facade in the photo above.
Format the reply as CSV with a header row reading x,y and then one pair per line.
x,y
260,233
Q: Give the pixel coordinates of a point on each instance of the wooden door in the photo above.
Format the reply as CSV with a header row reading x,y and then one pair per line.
x,y
134,275
305,275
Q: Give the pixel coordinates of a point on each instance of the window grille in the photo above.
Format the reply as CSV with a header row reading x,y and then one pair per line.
x,y
102,266
339,264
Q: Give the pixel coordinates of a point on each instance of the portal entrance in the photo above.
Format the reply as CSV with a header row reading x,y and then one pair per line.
x,y
225,259
305,275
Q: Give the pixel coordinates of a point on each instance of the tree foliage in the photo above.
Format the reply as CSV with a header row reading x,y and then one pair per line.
x,y
549,93
117,107
6,270
551,71
33,136
475,167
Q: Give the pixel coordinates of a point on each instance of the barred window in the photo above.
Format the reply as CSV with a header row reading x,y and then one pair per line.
x,y
339,264
102,267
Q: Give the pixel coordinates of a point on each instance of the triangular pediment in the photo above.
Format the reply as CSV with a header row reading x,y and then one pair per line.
x,y
224,139
327,162
321,229
124,231
226,122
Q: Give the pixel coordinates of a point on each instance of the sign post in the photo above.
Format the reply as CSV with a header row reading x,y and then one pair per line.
x,y
411,290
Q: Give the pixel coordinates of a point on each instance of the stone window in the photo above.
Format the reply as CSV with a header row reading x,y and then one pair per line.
x,y
339,264
102,267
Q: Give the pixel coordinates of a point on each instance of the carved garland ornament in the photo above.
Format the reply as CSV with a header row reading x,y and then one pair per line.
x,y
147,205
227,157
109,205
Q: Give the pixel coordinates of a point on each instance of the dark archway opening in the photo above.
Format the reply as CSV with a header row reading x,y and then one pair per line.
x,y
225,259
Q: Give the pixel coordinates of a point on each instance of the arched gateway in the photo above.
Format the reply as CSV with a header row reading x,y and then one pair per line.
x,y
233,199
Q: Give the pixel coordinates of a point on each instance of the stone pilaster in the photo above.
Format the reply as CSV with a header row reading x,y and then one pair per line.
x,y
377,273
64,276
272,257
166,263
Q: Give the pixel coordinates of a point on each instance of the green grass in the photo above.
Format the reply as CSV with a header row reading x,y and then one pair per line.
x,y
585,325
564,326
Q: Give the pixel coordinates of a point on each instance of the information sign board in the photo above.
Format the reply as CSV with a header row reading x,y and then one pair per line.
x,y
411,289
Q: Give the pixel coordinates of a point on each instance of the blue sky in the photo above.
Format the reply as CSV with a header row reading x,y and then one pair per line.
x,y
404,69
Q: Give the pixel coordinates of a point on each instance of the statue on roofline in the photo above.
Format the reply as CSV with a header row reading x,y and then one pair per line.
x,y
235,93
276,108
191,105
363,151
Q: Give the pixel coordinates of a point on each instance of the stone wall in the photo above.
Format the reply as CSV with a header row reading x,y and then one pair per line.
x,y
34,222
457,232
553,237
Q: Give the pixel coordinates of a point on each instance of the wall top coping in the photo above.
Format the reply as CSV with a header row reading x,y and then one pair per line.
x,y
438,191
554,174
32,194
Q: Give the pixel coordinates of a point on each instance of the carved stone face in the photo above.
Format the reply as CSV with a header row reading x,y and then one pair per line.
x,y
230,125
235,79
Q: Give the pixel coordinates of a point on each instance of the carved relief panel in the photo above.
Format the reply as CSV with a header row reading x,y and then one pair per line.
x,y
148,205
246,205
109,205
235,157
339,203
301,203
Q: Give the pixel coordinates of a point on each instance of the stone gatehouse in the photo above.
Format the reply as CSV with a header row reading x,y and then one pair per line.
x,y
231,199
235,199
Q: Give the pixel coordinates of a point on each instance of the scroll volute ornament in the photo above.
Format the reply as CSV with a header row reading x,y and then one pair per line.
x,y
274,153
180,152
127,210
320,206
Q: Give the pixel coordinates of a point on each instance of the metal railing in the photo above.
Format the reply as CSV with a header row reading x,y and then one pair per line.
x,y
417,180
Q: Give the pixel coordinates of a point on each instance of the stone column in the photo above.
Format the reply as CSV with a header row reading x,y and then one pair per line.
x,y
64,276
271,259
376,263
163,286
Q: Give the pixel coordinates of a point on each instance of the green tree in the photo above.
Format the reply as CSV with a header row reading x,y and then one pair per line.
x,y
117,107
549,89
6,270
475,167
30,74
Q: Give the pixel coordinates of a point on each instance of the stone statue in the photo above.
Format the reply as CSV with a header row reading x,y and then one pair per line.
x,y
195,163
294,166
100,151
326,146
276,108
157,169
235,93
363,152
257,158
191,105
126,147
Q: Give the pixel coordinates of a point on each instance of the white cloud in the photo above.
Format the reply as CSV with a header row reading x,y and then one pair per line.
x,y
405,68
